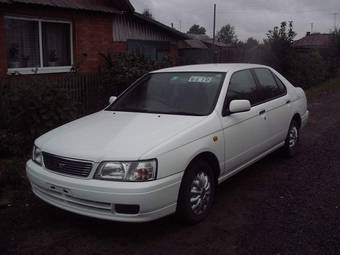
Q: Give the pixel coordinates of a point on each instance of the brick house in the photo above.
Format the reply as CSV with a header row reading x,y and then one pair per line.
x,y
49,36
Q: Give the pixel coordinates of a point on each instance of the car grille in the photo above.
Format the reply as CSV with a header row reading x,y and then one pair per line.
x,y
67,166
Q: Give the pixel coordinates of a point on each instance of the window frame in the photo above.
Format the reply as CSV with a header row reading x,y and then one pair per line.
x,y
259,86
43,69
225,110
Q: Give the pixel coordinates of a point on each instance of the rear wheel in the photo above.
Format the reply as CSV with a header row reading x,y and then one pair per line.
x,y
292,141
196,193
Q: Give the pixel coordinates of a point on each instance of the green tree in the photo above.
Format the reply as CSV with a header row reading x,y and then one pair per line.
x,y
251,43
147,13
197,29
227,35
307,68
280,40
283,34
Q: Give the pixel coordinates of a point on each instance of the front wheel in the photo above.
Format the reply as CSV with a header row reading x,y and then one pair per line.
x,y
196,193
292,140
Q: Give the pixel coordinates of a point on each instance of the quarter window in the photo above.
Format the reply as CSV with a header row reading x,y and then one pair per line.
x,y
268,87
282,87
242,86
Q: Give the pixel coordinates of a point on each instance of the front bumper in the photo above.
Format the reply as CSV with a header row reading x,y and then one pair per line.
x,y
97,198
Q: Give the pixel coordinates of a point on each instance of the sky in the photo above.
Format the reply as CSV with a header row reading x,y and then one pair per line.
x,y
251,18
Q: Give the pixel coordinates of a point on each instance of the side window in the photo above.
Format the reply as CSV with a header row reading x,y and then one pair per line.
x,y
269,88
242,86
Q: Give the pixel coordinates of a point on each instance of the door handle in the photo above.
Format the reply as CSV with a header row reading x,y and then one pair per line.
x,y
262,112
288,102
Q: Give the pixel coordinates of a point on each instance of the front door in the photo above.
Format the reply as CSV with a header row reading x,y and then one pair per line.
x,y
245,133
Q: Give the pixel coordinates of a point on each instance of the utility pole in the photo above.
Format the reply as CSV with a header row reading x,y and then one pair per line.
x,y
214,27
335,16
214,32
311,27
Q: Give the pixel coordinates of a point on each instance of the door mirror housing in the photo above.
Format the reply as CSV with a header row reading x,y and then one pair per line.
x,y
237,106
112,99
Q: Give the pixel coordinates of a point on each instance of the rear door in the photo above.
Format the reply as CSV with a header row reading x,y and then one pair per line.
x,y
276,102
245,133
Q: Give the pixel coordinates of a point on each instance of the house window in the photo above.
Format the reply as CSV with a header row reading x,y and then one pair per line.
x,y
152,50
22,43
38,46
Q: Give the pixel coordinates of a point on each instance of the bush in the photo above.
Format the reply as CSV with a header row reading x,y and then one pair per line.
x,y
124,69
30,107
307,69
261,54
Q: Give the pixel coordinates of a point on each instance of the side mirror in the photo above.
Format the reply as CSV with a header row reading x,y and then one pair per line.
x,y
112,99
237,106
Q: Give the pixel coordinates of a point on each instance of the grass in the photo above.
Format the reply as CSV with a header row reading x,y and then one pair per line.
x,y
325,87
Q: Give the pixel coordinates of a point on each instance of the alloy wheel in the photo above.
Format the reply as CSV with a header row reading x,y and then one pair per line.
x,y
200,193
293,137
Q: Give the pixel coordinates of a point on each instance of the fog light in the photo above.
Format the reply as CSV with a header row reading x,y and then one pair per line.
x,y
127,209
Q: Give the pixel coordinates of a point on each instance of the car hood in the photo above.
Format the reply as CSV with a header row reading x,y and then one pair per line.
x,y
110,135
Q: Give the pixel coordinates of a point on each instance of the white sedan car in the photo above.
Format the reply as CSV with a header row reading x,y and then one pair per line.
x,y
166,143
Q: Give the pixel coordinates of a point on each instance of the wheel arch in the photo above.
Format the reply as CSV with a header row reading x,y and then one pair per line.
x,y
297,118
212,159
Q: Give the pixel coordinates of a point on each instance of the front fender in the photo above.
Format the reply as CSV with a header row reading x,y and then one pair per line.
x,y
177,160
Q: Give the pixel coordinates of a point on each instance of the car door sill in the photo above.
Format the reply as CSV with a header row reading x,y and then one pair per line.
x,y
254,160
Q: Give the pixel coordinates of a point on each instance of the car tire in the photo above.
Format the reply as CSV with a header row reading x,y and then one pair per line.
x,y
197,191
292,140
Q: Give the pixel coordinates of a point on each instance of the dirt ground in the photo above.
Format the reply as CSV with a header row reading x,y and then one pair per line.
x,y
277,206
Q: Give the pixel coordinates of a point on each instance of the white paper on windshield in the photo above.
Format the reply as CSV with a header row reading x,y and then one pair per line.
x,y
200,79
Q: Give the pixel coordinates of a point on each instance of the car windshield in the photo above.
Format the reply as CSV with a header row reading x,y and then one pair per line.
x,y
183,93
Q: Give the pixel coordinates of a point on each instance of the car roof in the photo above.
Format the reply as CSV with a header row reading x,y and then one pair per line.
x,y
210,68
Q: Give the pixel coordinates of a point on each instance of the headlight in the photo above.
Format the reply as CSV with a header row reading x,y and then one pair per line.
x,y
127,171
37,156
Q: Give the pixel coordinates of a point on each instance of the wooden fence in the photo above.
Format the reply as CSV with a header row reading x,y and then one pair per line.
x,y
90,91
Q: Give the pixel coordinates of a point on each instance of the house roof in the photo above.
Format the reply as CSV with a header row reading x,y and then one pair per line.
x,y
160,25
315,40
192,44
206,39
108,6
217,43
